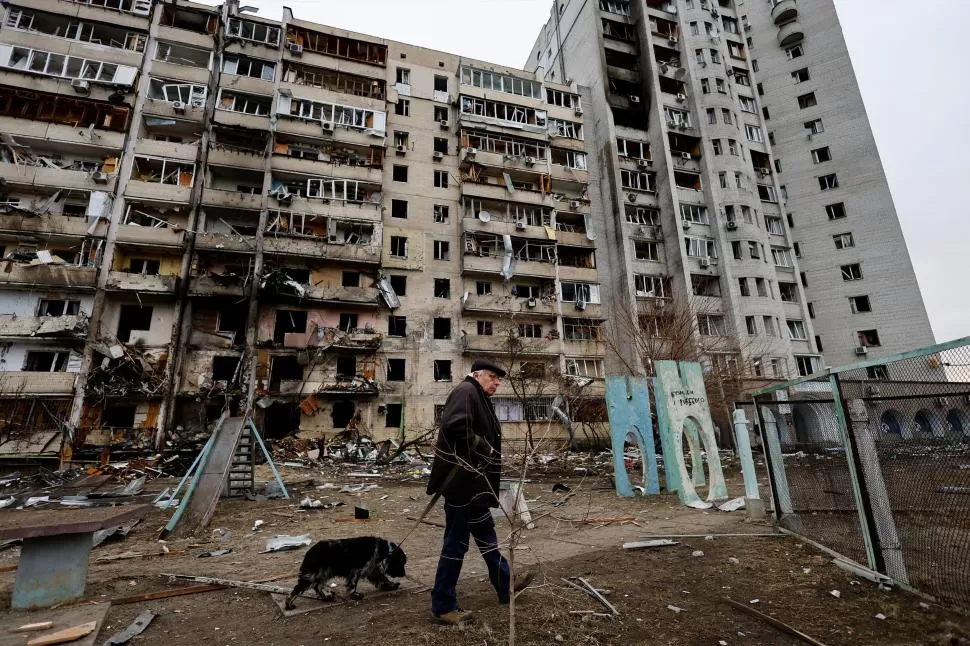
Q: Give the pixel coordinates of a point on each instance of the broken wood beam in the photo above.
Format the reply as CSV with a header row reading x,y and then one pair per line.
x,y
29,628
64,635
165,594
602,599
771,621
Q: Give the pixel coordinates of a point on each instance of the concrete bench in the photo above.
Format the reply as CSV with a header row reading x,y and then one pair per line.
x,y
57,543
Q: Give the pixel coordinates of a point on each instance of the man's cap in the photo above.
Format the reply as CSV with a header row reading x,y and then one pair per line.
x,y
482,364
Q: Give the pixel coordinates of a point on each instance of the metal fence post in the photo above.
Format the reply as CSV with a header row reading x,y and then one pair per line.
x,y
742,441
862,504
889,543
779,479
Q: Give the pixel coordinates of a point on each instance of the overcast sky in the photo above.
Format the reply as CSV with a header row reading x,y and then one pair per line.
x,y
912,77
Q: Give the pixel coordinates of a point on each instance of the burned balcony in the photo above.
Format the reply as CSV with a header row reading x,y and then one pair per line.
x,y
227,230
687,180
674,87
633,117
158,178
301,284
53,108
189,20
685,150
478,110
623,93
316,156
72,327
498,217
221,275
669,6
339,197
352,49
233,188
242,109
524,186
143,274
184,62
619,31
576,263
761,164
668,61
333,80
291,233
168,98
71,267
499,150
31,167
665,29
238,147
121,371
622,65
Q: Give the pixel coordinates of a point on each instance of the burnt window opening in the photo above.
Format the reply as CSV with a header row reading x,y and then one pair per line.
x,y
280,420
440,113
397,326
441,145
442,288
346,367
233,319
58,307
392,415
442,328
133,318
399,209
284,368
440,83
442,370
288,321
144,266
118,416
342,413
350,279
46,361
396,369
348,321
224,368
399,284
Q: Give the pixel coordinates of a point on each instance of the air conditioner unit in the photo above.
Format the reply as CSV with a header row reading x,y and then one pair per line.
x,y
438,156
401,150
327,126
520,224
861,351
704,263
631,197
672,40
296,49
99,177
681,97
643,163
471,152
731,225
81,86
531,161
284,198
578,111
663,68
685,156
178,106
575,204
444,124
634,98
686,224
730,71
531,302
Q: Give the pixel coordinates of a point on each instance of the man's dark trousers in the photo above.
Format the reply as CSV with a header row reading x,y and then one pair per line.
x,y
460,522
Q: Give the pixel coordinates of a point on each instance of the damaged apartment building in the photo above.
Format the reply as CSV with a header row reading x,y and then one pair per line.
x,y
204,210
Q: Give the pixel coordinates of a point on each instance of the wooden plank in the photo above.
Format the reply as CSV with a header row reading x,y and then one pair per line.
x,y
780,625
53,522
64,635
29,628
165,594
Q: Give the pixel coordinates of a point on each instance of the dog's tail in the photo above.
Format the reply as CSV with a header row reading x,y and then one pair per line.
x,y
305,581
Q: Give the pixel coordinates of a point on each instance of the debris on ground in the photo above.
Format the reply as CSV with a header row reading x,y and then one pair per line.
x,y
642,545
282,543
136,627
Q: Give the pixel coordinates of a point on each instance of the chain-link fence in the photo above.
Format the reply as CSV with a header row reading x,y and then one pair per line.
x,y
873,461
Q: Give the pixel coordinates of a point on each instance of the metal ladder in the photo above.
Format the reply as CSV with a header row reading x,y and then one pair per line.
x,y
241,478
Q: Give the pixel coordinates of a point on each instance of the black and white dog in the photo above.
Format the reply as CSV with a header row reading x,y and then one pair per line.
x,y
349,558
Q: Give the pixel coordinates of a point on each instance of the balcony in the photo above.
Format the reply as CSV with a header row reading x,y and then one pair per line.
x,y
234,158
19,176
225,242
325,169
168,149
338,209
164,109
157,191
783,11
145,284
578,274
574,239
37,384
184,73
50,225
584,348
205,286
54,134
307,128
151,236
243,120
502,227
502,344
500,192
493,265
248,84
318,248
360,296
509,305
44,327
69,277
232,199
790,34
186,37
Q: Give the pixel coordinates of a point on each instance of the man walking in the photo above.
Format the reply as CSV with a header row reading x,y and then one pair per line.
x,y
466,471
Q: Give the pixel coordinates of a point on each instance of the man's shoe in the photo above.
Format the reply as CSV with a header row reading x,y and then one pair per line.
x,y
522,581
456,617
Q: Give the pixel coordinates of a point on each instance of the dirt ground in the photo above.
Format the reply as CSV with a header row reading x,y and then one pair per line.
x,y
790,580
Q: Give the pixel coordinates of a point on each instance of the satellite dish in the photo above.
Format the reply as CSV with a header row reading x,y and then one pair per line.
x,y
484,216
590,236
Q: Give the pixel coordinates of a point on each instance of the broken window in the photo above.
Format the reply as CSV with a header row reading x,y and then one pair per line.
x,y
402,108
766,193
500,82
400,173
118,416
483,328
347,321
647,286
399,246
396,370
502,144
397,325
441,214
584,367
633,149
813,127
233,319
579,293
868,338
677,117
796,330
569,159
638,180
710,325
575,329
350,279
695,213
843,240
284,368
289,322
483,288
442,288
703,285
247,66
498,111
782,257
392,414
440,114
441,250
530,330
442,328
133,318
53,361
256,32
441,179
690,181
700,247
828,182
346,367
788,292
807,100
58,26
246,103
180,54
399,284
859,304
224,368
442,370
441,145
163,171
62,66
399,209
440,83
339,46
58,307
